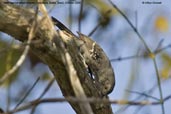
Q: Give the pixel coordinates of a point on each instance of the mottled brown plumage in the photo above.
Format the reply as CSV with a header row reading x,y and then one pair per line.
x,y
98,63
95,58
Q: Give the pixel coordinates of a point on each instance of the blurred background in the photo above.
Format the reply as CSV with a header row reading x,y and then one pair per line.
x,y
135,72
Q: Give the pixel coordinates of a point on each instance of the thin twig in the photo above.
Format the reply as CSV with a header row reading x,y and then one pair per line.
x,y
94,29
16,66
159,86
126,58
138,110
70,16
137,98
103,19
43,93
88,100
80,16
27,93
161,49
138,56
132,26
47,88
159,44
143,94
152,55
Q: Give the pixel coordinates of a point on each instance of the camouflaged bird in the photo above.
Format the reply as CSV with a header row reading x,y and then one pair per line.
x,y
95,58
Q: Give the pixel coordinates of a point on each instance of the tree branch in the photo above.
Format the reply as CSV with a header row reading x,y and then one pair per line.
x,y
15,21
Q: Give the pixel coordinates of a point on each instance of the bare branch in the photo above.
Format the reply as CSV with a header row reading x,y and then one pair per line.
x,y
88,100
